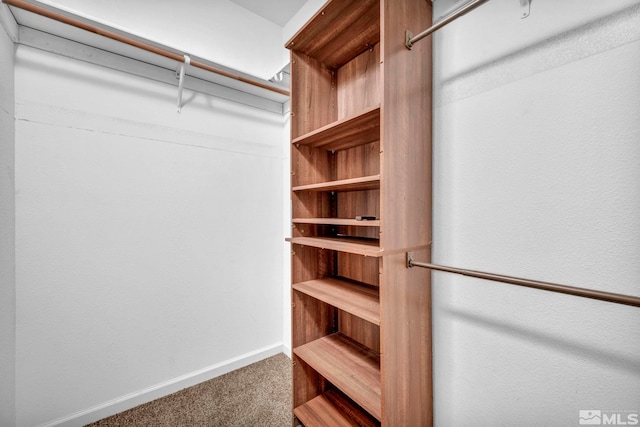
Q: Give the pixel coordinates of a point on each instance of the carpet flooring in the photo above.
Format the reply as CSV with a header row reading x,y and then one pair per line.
x,y
258,395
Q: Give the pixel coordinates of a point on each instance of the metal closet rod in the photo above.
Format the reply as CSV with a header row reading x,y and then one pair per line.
x,y
132,42
546,286
410,39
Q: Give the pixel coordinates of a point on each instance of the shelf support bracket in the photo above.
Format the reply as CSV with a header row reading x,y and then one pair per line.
x,y
180,76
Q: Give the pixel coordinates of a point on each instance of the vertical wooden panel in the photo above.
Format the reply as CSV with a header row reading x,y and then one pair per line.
x,y
313,103
405,329
358,161
359,268
310,204
311,319
405,294
311,165
406,126
364,332
317,318
309,263
359,83
354,203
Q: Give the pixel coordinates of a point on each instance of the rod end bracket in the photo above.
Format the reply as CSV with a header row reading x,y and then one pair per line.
x,y
525,6
409,259
408,35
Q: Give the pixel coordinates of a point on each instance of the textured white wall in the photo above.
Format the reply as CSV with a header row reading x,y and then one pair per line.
x,y
147,242
7,232
537,165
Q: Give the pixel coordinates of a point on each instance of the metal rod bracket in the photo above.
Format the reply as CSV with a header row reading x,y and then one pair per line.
x,y
409,259
525,6
187,61
408,35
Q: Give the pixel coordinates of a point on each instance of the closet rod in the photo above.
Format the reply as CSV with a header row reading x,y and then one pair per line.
x,y
21,4
546,286
410,39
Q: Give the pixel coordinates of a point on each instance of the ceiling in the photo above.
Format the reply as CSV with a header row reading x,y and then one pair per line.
x,y
277,11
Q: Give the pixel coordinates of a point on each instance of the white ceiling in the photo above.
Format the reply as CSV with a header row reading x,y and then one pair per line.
x,y
277,11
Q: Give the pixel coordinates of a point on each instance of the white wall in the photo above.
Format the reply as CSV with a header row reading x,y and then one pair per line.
x,y
7,231
147,242
537,165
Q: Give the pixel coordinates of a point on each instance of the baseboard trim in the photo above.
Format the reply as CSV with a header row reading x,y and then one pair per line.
x,y
165,388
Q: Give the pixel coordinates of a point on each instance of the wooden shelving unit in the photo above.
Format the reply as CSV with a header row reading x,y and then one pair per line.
x,y
361,146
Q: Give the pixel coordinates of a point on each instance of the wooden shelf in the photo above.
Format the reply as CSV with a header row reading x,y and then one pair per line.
x,y
352,184
359,300
332,410
351,367
339,32
350,132
337,221
367,247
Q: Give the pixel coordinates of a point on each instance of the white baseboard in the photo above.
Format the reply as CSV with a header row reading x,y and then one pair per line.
x,y
165,388
287,350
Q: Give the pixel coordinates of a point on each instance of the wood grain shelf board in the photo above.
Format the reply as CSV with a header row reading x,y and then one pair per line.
x,y
319,412
339,32
367,247
350,132
331,410
361,301
351,367
352,184
337,221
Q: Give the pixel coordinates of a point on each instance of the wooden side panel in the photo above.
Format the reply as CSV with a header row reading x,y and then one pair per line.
x,y
307,383
359,268
311,319
316,318
359,83
308,263
311,165
313,95
354,203
358,161
310,204
405,328
366,333
406,127
405,294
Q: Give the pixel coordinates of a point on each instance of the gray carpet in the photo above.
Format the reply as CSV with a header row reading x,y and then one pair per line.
x,y
256,395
